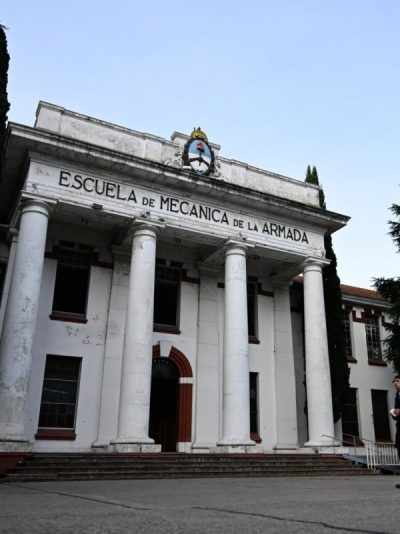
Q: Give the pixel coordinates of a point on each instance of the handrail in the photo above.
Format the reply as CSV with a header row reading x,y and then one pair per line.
x,y
377,453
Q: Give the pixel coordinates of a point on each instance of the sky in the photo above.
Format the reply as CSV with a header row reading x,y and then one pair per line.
x,y
278,84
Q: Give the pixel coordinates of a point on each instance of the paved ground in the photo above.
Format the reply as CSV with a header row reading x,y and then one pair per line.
x,y
278,505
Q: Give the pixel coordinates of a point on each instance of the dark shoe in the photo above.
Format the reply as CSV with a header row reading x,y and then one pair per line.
x,y
398,486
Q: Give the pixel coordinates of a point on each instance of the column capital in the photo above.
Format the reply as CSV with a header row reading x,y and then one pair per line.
x,y
314,264
36,204
141,227
145,228
234,246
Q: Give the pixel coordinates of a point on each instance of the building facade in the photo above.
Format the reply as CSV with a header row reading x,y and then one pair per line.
x,y
148,300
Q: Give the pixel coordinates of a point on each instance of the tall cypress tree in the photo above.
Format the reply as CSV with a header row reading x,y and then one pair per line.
x,y
389,288
4,104
339,368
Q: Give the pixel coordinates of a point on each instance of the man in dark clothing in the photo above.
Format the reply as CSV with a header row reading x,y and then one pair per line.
x,y
396,412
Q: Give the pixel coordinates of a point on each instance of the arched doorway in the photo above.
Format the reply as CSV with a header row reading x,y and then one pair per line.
x,y
163,426
181,428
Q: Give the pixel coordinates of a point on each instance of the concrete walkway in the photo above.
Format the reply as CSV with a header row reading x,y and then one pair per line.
x,y
247,505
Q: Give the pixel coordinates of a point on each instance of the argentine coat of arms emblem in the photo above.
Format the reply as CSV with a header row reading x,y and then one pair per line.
x,y
198,154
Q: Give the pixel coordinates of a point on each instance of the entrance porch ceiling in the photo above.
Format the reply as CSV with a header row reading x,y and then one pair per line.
x,y
207,249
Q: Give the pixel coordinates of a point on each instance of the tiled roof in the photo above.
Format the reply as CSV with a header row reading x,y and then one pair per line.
x,y
353,291
361,292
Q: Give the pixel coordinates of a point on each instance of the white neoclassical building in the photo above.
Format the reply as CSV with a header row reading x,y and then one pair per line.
x,y
147,301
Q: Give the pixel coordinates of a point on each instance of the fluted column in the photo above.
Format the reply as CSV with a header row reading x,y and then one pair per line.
x,y
236,400
20,324
285,380
134,405
318,378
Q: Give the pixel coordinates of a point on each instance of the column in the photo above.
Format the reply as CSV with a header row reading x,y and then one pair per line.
x,y
134,403
20,324
208,362
10,266
236,401
318,379
111,379
285,381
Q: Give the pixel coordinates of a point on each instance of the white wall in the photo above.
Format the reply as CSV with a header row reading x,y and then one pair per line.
x,y
366,377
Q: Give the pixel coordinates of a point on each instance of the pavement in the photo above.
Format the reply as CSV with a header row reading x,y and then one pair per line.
x,y
367,504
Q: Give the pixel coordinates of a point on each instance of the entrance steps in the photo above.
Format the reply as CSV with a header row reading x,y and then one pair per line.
x,y
98,466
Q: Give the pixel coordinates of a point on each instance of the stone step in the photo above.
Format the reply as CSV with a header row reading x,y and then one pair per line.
x,y
29,468
149,459
119,475
277,461
71,466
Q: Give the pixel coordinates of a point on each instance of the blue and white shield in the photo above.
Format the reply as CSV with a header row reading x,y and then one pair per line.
x,y
199,156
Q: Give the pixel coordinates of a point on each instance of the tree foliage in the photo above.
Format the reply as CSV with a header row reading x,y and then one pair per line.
x,y
4,104
389,288
339,368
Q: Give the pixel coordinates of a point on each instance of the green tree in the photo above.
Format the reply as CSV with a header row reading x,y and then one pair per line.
x,y
339,368
389,288
4,104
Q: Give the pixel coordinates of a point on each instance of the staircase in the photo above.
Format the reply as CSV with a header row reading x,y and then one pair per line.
x,y
95,466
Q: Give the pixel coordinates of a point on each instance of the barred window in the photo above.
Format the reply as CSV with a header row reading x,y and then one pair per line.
x,y
350,428
60,392
347,334
373,338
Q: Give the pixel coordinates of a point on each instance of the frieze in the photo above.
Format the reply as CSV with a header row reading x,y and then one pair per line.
x,y
111,194
165,203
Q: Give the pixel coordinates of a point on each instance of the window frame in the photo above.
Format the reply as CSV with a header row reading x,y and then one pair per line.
x,y
59,432
3,273
348,335
252,311
63,262
380,415
353,439
254,407
373,339
160,326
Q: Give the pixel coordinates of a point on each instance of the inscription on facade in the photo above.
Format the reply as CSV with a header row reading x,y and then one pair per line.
x,y
167,204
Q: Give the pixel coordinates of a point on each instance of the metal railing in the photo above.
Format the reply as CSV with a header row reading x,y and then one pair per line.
x,y
380,454
376,455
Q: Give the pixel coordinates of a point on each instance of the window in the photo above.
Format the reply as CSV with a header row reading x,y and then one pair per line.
x,y
350,429
373,338
347,335
254,432
166,297
380,415
252,309
3,267
60,391
72,284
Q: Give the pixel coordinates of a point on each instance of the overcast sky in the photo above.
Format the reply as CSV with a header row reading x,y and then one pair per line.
x,y
278,84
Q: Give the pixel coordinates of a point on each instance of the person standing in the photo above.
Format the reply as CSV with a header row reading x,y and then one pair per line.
x,y
396,412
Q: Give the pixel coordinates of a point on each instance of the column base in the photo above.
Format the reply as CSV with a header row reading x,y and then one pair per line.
x,y
184,446
134,445
15,445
